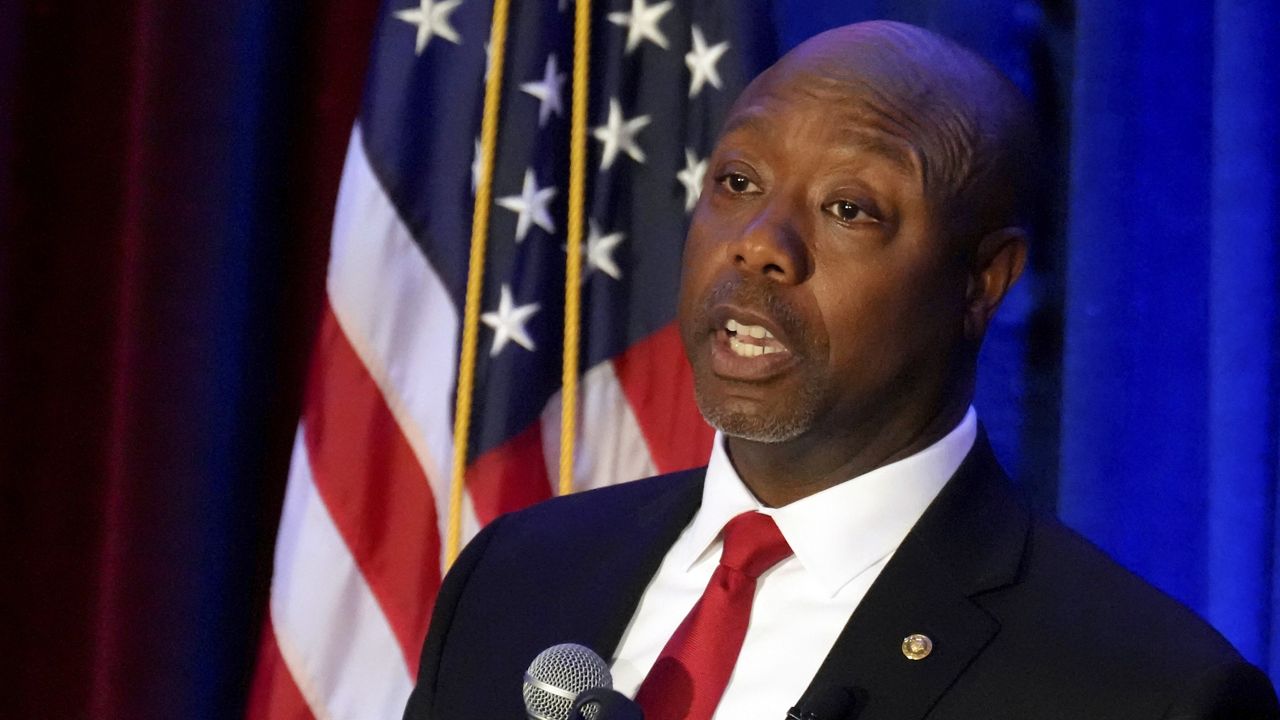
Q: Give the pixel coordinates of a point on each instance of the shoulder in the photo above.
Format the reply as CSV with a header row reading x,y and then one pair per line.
x,y
568,569
622,498
1084,586
1060,601
555,533
1076,613
599,511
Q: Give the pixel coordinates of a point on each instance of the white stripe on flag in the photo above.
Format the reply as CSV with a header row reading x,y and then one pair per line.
x,y
331,632
610,447
399,318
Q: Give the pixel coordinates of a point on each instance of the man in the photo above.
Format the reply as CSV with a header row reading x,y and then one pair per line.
x,y
853,543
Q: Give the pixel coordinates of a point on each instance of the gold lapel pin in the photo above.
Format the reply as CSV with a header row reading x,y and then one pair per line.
x,y
917,646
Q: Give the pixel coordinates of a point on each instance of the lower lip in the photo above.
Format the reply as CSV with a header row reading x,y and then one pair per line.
x,y
727,364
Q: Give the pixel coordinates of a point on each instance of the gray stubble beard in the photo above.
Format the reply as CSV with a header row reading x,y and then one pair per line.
x,y
757,428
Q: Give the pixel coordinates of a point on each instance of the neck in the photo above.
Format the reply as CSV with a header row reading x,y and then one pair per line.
x,y
781,473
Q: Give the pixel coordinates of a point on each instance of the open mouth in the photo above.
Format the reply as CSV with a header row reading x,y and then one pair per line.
x,y
746,347
751,340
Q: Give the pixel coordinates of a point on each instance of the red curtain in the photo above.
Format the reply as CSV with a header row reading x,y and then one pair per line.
x,y
167,179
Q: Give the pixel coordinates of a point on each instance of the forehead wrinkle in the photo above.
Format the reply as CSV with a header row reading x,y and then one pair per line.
x,y
863,127
889,122
908,106
902,155
938,132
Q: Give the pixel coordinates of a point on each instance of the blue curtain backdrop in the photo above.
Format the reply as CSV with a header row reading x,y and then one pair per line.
x,y
1169,397
166,176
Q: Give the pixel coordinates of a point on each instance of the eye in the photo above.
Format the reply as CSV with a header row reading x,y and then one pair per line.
x,y
737,183
849,212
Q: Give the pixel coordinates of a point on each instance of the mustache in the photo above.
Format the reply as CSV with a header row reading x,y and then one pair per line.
x,y
760,297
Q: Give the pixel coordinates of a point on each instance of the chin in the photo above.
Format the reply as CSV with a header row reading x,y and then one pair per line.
x,y
755,423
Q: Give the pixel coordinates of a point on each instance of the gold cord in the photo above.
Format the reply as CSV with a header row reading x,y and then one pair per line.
x,y
573,264
475,278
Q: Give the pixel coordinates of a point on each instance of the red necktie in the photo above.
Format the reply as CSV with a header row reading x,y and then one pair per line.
x,y
691,672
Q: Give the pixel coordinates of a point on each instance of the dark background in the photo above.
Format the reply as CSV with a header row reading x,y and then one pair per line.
x,y
167,177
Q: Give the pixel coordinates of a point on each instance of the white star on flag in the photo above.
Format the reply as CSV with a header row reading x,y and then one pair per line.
x,y
642,23
432,19
531,206
619,134
508,323
547,91
691,178
599,251
476,162
702,63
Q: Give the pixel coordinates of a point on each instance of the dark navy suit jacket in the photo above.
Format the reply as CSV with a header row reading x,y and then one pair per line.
x,y
1028,620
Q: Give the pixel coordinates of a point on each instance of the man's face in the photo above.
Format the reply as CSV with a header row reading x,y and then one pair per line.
x,y
818,294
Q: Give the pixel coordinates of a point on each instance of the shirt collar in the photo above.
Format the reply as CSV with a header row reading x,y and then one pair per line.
x,y
840,532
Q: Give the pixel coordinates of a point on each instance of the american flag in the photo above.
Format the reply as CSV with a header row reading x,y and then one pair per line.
x,y
360,550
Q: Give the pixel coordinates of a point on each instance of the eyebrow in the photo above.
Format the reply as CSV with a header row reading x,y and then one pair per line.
x,y
897,151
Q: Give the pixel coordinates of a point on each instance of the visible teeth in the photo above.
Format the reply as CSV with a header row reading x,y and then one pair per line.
x,y
744,349
755,331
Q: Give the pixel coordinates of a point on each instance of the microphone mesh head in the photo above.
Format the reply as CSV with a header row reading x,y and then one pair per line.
x,y
557,675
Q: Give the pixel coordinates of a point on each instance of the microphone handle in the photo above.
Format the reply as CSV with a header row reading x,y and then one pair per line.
x,y
609,705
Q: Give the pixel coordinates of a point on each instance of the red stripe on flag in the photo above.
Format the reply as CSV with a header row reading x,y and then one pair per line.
x,y
274,694
658,383
373,487
511,476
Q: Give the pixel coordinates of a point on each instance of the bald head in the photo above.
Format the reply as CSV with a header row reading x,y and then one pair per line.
x,y
968,128
852,241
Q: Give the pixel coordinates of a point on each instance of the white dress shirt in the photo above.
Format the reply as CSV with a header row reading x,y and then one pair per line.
x,y
842,538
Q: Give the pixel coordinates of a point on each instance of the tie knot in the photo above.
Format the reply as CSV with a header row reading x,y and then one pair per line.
x,y
753,544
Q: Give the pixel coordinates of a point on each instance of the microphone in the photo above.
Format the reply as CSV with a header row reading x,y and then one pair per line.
x,y
557,676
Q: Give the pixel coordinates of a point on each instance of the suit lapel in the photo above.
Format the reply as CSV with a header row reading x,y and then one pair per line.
x,y
654,528
969,541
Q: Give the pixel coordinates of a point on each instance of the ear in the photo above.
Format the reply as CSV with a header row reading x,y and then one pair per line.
x,y
997,264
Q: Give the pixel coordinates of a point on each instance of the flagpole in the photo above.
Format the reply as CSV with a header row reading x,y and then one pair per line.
x,y
573,263
475,277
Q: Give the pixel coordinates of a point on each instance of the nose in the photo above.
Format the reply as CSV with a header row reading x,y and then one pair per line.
x,y
772,246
